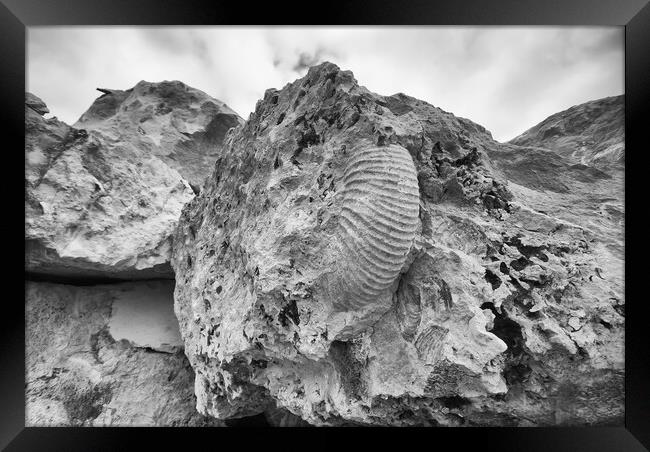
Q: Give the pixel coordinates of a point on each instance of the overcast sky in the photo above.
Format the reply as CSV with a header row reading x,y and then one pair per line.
x,y
504,78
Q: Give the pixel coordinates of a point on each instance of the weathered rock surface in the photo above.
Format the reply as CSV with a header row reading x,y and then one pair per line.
x,y
85,366
311,276
102,198
36,104
590,134
182,126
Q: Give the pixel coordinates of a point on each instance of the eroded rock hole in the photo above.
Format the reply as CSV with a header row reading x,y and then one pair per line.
x,y
516,369
349,368
493,279
308,138
289,313
520,264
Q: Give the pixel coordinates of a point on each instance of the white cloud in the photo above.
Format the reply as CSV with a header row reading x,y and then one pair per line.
x,y
505,78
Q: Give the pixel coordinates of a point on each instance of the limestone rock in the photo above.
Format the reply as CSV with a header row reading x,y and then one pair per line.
x,y
182,126
36,104
80,372
101,199
589,134
358,259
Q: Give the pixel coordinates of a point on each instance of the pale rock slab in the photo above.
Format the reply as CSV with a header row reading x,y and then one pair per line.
x,y
144,316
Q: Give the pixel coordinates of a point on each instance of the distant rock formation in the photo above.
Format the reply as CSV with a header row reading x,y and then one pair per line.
x,y
102,197
589,134
500,302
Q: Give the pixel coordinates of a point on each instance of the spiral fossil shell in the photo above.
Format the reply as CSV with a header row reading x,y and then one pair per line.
x,y
378,220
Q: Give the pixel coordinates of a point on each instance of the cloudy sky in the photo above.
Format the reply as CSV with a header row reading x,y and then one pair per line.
x,y
504,78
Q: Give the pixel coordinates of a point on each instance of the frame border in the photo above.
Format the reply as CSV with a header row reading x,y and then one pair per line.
x,y
16,15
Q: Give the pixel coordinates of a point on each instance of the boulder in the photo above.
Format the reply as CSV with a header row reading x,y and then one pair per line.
x,y
358,259
181,125
102,197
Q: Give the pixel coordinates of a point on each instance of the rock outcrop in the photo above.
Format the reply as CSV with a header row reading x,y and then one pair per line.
x,y
358,259
102,197
590,134
101,201
89,365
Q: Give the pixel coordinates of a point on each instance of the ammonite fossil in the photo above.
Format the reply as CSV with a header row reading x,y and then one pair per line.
x,y
378,221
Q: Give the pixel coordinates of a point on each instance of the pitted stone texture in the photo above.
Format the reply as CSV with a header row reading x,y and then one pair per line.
x,y
78,374
476,328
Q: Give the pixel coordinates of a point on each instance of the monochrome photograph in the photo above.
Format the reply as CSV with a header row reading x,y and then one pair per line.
x,y
324,226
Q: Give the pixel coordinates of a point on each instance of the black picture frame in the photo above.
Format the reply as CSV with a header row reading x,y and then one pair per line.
x,y
16,15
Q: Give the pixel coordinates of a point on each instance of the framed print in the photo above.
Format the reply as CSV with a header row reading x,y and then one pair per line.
x,y
412,217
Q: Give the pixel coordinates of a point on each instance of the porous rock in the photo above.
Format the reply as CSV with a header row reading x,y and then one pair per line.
x,y
313,277
82,370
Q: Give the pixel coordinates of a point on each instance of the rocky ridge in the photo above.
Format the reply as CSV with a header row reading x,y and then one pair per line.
x,y
592,133
507,308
